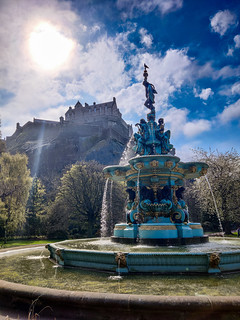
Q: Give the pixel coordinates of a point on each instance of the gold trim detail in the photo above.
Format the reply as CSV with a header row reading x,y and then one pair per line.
x,y
119,173
140,165
157,228
193,169
120,227
150,175
168,164
177,169
195,226
154,164
129,172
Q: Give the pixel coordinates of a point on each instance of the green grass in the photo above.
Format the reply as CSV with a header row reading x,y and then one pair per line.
x,y
18,243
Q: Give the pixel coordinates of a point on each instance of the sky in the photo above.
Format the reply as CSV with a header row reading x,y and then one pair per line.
x,y
56,52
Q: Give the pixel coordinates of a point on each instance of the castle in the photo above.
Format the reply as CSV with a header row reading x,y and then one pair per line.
x,y
90,132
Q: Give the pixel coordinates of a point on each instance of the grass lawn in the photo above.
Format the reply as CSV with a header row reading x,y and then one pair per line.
x,y
18,243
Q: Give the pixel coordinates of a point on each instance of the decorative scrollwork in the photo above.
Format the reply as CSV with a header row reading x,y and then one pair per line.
x,y
139,217
176,217
119,173
140,165
193,169
154,164
177,169
168,164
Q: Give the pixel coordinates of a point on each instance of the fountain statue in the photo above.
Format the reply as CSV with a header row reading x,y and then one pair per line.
x,y
156,212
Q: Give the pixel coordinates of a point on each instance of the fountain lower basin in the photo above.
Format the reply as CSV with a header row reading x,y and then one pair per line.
x,y
201,259
130,297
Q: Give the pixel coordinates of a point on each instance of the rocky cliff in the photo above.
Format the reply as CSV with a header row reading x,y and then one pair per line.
x,y
51,145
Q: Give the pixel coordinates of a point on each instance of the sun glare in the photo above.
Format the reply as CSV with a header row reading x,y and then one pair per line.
x,y
48,47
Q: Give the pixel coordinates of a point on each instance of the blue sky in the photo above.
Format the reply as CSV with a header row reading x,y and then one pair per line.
x,y
191,47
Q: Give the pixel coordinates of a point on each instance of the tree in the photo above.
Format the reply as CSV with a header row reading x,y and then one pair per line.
x,y
15,182
80,196
77,208
224,180
2,146
36,209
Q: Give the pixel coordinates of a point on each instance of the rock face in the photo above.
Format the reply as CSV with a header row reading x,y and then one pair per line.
x,y
95,132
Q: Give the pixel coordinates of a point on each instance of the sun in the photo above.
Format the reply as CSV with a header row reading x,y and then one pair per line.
x,y
48,47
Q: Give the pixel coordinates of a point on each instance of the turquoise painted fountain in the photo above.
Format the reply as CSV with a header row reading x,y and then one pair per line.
x,y
157,236
156,211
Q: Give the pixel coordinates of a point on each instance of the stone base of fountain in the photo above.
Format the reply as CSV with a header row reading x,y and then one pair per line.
x,y
162,234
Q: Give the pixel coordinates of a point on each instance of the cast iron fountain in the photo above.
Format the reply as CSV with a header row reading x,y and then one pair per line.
x,y
156,214
156,211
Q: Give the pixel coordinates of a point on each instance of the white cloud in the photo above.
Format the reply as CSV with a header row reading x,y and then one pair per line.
x,y
169,73
95,28
176,118
236,46
230,52
146,38
237,41
100,69
236,88
230,90
196,127
231,112
179,124
226,72
204,94
222,21
185,151
138,7
53,113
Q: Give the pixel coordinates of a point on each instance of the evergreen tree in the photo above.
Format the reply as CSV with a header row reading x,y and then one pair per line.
x,y
36,209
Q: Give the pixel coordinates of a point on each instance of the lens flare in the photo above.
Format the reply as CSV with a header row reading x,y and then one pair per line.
x,y
48,47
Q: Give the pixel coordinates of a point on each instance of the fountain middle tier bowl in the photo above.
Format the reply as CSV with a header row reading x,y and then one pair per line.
x,y
158,166
102,255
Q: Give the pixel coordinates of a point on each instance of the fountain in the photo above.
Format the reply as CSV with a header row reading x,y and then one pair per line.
x,y
156,214
157,239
